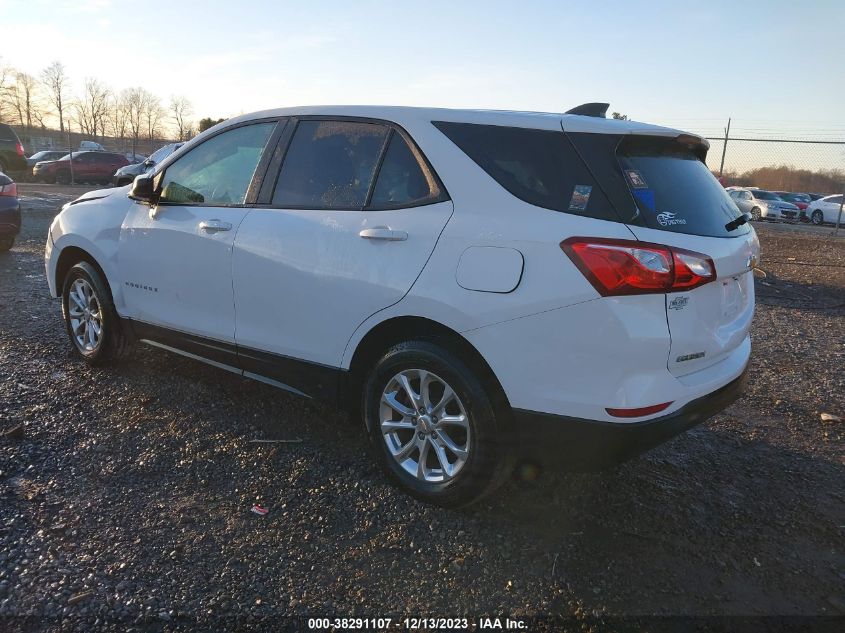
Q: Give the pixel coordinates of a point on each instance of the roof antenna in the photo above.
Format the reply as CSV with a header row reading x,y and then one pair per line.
x,y
590,109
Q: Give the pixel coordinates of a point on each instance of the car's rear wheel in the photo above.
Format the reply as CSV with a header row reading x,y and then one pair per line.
x,y
755,214
817,218
93,326
432,425
6,243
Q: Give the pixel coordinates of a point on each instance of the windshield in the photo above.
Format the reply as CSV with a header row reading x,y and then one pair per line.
x,y
674,190
764,195
796,197
161,153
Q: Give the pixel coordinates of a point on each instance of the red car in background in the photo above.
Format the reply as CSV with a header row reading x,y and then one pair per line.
x,y
87,167
800,200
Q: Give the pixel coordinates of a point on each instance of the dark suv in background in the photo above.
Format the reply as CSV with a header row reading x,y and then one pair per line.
x,y
87,167
12,158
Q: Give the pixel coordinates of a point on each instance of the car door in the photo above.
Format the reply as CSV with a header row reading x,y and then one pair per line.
x,y
175,257
830,208
344,227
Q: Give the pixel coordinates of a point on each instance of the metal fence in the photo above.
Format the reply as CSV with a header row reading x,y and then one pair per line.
x,y
780,164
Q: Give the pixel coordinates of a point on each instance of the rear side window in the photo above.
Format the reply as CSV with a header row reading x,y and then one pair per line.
x,y
7,133
539,167
674,190
330,165
401,180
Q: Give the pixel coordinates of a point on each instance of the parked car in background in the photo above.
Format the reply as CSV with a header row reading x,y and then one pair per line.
x,y
126,175
800,200
10,212
761,204
87,167
43,156
12,157
825,210
462,278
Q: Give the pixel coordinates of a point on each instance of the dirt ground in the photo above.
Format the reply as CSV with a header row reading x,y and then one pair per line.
x,y
125,493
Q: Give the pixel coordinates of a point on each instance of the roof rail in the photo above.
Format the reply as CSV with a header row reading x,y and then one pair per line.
x,y
590,109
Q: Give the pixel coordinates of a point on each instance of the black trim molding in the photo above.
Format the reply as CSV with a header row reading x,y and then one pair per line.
x,y
315,380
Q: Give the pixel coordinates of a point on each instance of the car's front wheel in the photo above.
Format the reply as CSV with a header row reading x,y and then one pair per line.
x,y
817,218
432,425
94,328
755,214
6,243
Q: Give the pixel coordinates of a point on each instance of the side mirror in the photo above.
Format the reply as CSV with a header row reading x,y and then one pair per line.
x,y
142,189
149,163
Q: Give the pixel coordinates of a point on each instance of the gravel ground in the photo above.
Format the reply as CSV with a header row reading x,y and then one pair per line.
x,y
125,492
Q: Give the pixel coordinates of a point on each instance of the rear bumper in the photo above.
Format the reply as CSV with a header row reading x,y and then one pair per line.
x,y
576,444
10,219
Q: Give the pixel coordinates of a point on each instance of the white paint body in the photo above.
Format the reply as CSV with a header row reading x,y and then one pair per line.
x,y
306,285
829,207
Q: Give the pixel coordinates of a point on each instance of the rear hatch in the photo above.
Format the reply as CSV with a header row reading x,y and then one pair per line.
x,y
677,202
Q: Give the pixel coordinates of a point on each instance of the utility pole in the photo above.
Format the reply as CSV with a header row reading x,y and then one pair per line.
x,y
725,147
70,151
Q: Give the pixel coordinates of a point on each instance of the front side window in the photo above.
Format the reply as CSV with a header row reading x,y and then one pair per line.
x,y
220,170
401,181
330,165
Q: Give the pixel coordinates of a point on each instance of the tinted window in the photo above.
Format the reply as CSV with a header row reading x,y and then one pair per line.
x,y
834,200
765,195
401,180
330,165
220,170
674,189
537,166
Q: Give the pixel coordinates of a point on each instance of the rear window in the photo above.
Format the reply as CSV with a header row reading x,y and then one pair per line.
x,y
674,190
7,133
539,167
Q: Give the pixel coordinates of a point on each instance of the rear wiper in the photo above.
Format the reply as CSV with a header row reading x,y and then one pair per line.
x,y
735,224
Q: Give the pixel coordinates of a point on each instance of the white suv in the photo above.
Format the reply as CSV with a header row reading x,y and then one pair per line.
x,y
480,285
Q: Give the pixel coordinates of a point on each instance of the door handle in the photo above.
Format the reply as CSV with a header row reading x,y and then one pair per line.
x,y
214,226
384,233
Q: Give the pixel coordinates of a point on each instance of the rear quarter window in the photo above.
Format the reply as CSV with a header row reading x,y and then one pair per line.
x,y
539,167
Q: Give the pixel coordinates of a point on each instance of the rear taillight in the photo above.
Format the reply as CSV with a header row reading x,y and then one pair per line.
x,y
9,190
626,267
19,149
639,412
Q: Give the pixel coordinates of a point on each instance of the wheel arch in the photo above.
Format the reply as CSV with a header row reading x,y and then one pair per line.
x,y
68,258
406,328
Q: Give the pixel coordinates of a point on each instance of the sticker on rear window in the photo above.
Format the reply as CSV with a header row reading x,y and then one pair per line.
x,y
646,196
636,179
667,218
580,197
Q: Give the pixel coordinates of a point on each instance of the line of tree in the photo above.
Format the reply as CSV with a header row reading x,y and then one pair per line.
x,y
47,102
788,178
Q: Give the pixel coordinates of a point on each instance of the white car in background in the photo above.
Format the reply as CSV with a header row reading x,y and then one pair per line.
x,y
477,285
825,210
763,205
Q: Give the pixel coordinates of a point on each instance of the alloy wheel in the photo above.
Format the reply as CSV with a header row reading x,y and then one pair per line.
x,y
85,315
817,217
424,425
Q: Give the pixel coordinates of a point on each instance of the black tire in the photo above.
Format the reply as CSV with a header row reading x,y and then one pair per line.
x,y
487,464
62,178
755,214
817,218
6,244
114,340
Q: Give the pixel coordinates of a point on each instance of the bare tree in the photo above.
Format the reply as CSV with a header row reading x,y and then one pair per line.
x,y
135,100
7,74
91,109
23,98
55,82
153,114
118,116
182,110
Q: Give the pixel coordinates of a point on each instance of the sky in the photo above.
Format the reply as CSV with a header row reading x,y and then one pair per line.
x,y
771,65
